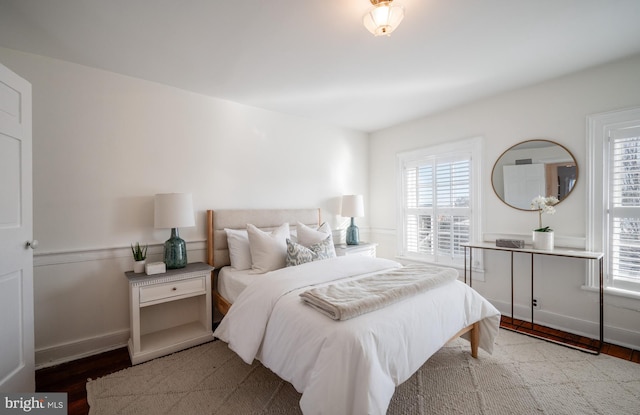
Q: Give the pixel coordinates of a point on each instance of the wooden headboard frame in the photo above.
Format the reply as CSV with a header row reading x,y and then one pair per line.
x,y
265,219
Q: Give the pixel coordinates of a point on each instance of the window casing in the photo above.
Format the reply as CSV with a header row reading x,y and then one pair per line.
x,y
438,203
614,198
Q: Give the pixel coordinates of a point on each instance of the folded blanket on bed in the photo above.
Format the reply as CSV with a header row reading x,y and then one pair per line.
x,y
348,299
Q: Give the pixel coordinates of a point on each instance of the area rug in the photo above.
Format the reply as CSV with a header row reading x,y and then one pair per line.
x,y
523,376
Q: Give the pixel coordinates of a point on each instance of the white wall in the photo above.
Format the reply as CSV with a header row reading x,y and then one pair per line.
x,y
554,110
104,144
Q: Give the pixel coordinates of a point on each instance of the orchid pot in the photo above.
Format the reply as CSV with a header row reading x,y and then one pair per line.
x,y
543,239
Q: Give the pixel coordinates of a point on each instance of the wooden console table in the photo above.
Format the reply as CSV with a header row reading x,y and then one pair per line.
x,y
567,253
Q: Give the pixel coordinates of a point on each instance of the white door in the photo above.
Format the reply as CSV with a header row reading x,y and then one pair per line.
x,y
522,183
16,229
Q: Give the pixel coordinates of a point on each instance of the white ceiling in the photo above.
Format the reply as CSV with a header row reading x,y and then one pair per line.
x,y
314,58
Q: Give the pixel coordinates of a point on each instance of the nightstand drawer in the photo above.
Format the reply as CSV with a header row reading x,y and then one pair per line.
x,y
172,289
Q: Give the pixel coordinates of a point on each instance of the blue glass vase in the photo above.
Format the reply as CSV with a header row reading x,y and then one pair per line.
x,y
353,234
175,251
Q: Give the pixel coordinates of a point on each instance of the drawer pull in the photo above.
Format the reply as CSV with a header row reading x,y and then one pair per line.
x,y
174,289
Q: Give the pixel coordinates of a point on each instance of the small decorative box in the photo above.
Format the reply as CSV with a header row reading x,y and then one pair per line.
x,y
155,268
510,243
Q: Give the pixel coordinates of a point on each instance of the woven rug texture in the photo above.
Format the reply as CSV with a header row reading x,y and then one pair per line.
x,y
523,376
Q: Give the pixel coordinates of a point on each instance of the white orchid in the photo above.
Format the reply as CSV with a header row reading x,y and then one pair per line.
x,y
544,205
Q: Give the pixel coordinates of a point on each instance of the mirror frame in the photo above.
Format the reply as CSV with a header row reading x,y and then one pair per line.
x,y
528,141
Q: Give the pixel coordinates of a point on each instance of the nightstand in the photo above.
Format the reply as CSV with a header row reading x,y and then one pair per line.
x,y
169,312
364,248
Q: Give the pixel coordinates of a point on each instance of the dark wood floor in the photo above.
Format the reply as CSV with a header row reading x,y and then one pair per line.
x,y
72,377
572,339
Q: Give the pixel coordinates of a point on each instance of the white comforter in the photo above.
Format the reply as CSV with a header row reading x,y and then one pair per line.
x,y
352,366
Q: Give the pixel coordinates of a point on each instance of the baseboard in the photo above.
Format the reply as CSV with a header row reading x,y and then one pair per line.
x,y
62,353
612,335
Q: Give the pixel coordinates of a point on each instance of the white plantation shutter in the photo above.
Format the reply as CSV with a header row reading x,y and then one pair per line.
x,y
624,209
454,212
436,194
419,208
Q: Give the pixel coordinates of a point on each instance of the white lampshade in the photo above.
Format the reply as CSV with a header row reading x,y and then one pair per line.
x,y
352,206
173,210
383,18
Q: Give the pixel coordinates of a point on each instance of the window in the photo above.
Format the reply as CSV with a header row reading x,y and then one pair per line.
x,y
614,171
438,202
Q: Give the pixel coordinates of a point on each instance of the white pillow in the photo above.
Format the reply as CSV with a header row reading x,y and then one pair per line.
x,y
239,252
293,235
268,249
308,236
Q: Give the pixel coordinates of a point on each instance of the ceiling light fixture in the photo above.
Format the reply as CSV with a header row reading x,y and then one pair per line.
x,y
383,18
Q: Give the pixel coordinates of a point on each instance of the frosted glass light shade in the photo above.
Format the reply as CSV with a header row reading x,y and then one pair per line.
x,y
383,18
173,210
352,206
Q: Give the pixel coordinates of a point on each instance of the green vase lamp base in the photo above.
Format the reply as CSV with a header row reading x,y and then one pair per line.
x,y
353,234
175,251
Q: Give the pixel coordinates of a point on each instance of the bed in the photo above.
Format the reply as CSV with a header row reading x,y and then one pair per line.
x,y
350,366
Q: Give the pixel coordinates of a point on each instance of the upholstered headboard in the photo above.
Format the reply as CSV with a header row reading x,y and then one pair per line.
x,y
265,219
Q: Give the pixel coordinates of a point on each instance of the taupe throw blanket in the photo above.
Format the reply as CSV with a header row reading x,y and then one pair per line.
x,y
348,299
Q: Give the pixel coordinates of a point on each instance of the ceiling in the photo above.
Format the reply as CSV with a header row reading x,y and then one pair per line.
x,y
315,59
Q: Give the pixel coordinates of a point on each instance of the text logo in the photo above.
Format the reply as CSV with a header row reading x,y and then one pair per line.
x,y
53,403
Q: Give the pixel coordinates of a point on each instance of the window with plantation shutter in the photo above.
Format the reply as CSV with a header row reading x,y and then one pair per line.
x,y
613,227
436,202
624,208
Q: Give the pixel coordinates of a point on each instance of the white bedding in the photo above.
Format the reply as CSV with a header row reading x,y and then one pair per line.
x,y
231,282
352,366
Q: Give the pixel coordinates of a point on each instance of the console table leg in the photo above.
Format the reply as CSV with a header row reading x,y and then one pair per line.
x,y
470,267
532,291
511,287
601,305
465,264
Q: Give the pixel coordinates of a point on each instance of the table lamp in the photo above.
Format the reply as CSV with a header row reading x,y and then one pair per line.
x,y
352,206
174,210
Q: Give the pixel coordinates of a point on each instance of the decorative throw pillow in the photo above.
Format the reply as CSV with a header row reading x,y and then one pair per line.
x,y
324,249
308,236
298,254
268,249
239,252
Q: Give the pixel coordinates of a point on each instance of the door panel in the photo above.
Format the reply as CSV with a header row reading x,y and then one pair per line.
x,y
16,229
9,189
11,305
522,183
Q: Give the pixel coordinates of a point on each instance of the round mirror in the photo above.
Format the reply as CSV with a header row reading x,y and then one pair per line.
x,y
534,168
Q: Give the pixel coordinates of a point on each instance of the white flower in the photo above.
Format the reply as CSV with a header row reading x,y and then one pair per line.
x,y
544,205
